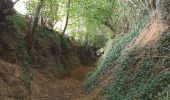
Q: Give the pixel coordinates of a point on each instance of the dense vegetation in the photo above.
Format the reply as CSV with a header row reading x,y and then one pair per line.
x,y
135,69
128,39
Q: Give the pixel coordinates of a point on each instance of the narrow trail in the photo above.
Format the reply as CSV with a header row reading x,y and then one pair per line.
x,y
43,87
64,89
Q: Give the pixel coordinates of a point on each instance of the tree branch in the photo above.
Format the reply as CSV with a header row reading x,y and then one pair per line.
x,y
16,2
67,17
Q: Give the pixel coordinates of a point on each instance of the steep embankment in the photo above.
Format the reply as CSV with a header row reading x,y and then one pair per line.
x,y
13,87
11,83
52,71
136,65
41,75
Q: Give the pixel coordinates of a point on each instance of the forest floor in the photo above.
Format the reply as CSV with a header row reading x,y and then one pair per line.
x,y
42,87
60,89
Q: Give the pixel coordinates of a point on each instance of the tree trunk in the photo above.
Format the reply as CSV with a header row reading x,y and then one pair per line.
x,y
33,26
67,16
16,2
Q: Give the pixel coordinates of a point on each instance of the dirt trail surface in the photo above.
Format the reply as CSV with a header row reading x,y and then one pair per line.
x,y
64,89
13,88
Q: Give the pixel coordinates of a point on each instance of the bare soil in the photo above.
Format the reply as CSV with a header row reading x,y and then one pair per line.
x,y
12,87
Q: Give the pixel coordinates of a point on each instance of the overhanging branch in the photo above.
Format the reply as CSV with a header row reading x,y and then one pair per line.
x,y
16,2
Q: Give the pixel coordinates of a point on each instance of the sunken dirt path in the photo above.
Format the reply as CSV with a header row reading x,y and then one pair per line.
x,y
65,89
42,88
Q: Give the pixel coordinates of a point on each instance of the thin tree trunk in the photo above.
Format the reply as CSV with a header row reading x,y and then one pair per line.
x,y
67,16
54,23
16,2
33,26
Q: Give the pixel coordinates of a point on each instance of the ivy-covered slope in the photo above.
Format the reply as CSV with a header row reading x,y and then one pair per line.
x,y
136,65
113,51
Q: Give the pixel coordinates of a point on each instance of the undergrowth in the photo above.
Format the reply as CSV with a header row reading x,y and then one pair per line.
x,y
140,73
142,78
18,21
18,27
55,45
112,54
25,61
48,44
23,57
